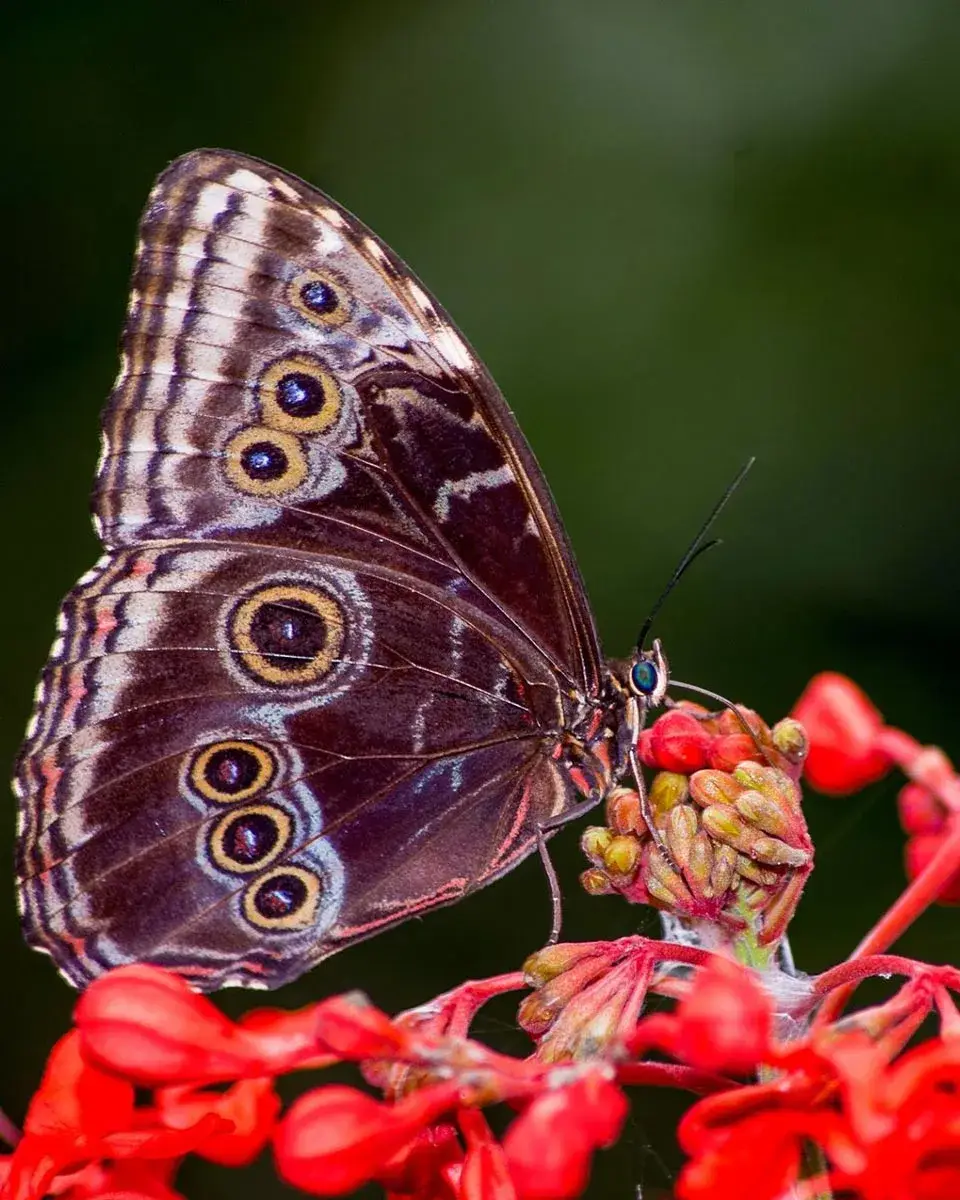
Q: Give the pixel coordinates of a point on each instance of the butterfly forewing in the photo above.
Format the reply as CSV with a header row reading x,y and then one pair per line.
x,y
320,679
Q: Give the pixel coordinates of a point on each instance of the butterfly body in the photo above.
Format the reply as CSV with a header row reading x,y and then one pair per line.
x,y
336,666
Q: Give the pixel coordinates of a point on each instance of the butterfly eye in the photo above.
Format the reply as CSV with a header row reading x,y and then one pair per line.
x,y
645,677
319,299
287,634
265,462
248,839
286,898
299,395
227,772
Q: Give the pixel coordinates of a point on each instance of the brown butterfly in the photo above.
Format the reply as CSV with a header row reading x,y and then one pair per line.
x,y
337,665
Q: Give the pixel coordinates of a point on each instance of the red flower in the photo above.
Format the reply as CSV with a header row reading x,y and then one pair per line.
x,y
147,1025
843,727
929,822
334,1139
885,1130
251,1106
81,1116
724,1022
484,1174
550,1145
428,1167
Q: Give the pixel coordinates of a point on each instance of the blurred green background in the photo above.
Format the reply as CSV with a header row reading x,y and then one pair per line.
x,y
679,234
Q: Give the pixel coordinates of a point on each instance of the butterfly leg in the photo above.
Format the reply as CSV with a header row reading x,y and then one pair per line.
x,y
545,827
556,899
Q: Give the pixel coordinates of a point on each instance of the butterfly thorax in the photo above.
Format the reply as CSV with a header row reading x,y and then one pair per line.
x,y
600,745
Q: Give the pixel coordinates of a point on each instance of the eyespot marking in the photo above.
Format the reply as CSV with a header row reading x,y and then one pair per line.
x,y
286,898
297,394
264,461
320,299
249,838
287,634
228,772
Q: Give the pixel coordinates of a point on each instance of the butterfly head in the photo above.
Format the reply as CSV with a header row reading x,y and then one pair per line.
x,y
648,675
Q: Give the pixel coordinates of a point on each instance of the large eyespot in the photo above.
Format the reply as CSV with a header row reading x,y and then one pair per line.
x,y
227,772
286,898
645,677
287,634
265,462
319,299
249,838
299,395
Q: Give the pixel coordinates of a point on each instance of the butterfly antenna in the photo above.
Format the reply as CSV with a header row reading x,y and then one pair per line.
x,y
697,547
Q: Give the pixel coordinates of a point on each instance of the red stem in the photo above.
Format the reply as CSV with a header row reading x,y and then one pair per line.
x,y
674,1075
908,906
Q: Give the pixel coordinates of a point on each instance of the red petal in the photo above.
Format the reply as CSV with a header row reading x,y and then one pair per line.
x,y
842,726
351,1027
550,1145
75,1099
334,1139
35,1162
286,1041
485,1174
725,1021
920,811
163,1143
675,742
757,1159
422,1168
251,1106
148,1025
728,751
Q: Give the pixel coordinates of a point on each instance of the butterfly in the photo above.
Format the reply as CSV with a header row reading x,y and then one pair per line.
x,y
336,666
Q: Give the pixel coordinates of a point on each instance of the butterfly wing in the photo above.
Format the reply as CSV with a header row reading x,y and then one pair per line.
x,y
318,681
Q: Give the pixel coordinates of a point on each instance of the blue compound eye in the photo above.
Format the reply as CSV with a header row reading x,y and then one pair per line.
x,y
645,677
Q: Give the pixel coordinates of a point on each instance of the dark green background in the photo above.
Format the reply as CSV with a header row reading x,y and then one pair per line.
x,y
678,233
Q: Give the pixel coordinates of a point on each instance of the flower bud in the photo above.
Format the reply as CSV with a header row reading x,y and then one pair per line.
x,y
843,727
623,811
594,842
595,882
622,855
675,742
790,738
551,961
667,790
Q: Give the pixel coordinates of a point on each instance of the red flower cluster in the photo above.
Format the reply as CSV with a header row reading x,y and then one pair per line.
x,y
722,839
850,747
793,1100
85,1136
